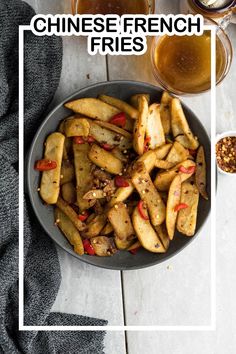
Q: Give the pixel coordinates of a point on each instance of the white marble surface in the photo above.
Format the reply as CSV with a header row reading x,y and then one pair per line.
x,y
176,292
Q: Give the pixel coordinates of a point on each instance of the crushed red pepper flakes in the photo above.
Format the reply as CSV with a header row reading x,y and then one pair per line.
x,y
226,154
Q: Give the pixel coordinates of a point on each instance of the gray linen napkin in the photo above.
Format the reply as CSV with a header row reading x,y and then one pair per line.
x,y
43,60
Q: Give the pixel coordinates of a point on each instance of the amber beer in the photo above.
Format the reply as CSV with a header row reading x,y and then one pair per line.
x,y
183,63
119,7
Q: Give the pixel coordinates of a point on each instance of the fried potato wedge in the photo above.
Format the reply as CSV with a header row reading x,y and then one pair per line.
x,y
108,229
114,128
200,176
162,151
121,195
164,165
163,235
105,159
134,99
50,181
140,126
148,193
67,172
103,135
146,234
93,108
119,154
72,215
103,246
172,201
121,105
122,244
177,153
180,128
163,179
76,127
94,194
187,218
121,222
70,231
95,227
68,192
154,128
84,178
135,245
165,112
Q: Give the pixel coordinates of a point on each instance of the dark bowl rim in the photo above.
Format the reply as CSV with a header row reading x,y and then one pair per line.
x,y
85,258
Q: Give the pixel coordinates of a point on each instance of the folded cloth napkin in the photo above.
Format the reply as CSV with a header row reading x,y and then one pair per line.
x,y
43,60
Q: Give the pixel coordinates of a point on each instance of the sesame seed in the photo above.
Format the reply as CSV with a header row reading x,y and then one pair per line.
x,y
116,206
94,194
38,189
143,192
62,176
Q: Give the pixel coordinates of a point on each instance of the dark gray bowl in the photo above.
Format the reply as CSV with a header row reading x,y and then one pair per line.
x,y
123,260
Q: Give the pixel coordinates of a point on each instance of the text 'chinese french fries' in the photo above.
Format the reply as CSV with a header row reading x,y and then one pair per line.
x,y
105,160
140,126
121,189
146,233
187,217
148,193
69,230
93,108
121,105
172,202
50,181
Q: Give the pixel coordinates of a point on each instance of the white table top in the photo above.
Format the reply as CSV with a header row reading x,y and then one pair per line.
x,y
176,292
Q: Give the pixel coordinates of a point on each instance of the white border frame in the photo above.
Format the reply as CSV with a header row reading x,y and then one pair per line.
x,y
22,327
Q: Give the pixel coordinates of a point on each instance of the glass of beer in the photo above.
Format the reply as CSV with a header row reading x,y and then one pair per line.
x,y
182,64
118,7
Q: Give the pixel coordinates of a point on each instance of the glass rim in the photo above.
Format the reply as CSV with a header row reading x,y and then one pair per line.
x,y
164,85
219,9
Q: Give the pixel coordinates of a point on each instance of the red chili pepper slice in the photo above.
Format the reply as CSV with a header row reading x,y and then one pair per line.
x,y
181,206
107,147
78,140
90,139
121,182
192,152
135,250
83,216
188,170
45,165
88,247
146,143
119,119
142,211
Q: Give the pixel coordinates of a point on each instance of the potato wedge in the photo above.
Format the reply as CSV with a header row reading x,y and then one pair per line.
x,y
108,229
121,222
114,128
70,231
103,246
148,193
50,180
94,194
146,234
93,108
105,159
164,165
122,244
177,153
67,172
162,151
103,135
134,99
187,218
135,245
200,177
121,195
140,126
180,128
84,178
95,227
72,215
165,112
163,235
68,192
77,127
172,201
163,179
121,105
119,154
154,128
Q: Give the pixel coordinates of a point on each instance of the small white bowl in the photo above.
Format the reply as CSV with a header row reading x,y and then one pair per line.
x,y
218,138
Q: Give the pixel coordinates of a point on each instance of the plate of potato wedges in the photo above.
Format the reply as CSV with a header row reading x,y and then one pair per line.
x,y
118,175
